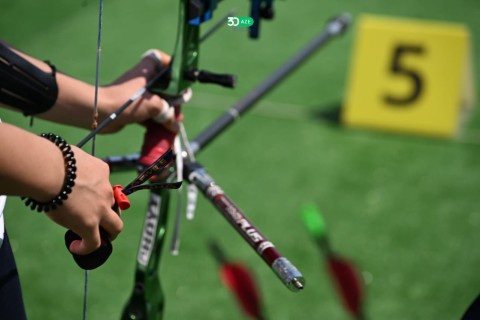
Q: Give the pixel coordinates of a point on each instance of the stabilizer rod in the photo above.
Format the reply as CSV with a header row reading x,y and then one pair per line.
x,y
335,27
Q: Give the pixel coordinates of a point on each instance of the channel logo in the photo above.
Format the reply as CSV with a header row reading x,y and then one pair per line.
x,y
239,21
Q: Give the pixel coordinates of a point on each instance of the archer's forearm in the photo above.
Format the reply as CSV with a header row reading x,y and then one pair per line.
x,y
74,103
75,100
29,165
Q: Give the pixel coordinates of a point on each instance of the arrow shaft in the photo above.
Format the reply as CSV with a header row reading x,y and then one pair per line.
x,y
286,271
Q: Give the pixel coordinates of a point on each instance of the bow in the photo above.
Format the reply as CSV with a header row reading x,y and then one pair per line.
x,y
147,299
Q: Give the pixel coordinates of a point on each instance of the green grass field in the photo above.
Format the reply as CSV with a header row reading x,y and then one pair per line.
x,y
405,209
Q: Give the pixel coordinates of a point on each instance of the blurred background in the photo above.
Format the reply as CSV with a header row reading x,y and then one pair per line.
x,y
404,208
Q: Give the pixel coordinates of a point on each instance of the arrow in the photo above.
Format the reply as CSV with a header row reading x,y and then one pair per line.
x,y
240,281
343,273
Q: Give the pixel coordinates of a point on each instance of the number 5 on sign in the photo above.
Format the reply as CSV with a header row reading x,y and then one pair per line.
x,y
409,76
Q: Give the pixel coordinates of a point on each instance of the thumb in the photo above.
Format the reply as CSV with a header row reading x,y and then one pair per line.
x,y
86,245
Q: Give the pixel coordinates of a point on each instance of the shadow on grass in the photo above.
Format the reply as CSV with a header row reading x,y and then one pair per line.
x,y
330,114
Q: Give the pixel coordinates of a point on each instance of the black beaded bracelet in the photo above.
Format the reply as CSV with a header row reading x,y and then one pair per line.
x,y
69,181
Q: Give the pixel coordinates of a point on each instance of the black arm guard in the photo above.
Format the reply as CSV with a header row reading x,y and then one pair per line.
x,y
24,86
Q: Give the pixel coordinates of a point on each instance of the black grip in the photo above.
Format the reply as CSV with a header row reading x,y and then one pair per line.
x,y
94,259
202,76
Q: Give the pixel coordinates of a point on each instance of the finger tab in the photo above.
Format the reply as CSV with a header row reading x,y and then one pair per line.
x,y
121,198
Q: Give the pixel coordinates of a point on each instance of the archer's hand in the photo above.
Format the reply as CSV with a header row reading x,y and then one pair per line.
x,y
146,107
74,104
89,206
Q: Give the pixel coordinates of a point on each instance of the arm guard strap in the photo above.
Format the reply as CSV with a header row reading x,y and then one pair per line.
x,y
24,86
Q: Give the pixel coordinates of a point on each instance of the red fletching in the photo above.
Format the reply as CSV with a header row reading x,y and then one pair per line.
x,y
348,284
239,280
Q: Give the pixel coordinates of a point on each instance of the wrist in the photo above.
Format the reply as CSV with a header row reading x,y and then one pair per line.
x,y
41,204
51,186
47,182
107,101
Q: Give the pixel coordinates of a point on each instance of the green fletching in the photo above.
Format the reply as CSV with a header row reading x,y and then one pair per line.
x,y
313,220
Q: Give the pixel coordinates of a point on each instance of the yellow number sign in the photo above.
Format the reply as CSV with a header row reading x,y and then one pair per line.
x,y
409,76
